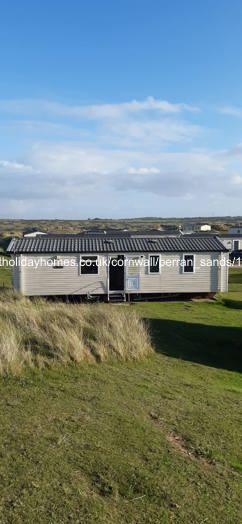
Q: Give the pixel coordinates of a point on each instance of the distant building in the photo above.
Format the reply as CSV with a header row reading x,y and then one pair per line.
x,y
33,233
205,227
232,241
236,230
189,228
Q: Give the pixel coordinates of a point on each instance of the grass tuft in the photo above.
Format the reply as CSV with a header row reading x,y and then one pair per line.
x,y
40,333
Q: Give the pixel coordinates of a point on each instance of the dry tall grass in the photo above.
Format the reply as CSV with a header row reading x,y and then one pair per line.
x,y
40,333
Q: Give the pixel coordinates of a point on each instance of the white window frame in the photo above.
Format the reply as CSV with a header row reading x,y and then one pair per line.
x,y
88,274
194,263
154,272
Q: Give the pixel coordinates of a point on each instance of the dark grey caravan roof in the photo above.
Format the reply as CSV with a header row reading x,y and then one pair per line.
x,y
75,244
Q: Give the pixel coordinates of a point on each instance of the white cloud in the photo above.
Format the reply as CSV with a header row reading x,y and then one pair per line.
x,y
9,166
97,156
231,111
149,123
94,111
150,133
143,170
70,171
100,111
237,179
235,151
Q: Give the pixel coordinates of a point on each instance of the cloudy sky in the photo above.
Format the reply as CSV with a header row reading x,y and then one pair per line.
x,y
120,109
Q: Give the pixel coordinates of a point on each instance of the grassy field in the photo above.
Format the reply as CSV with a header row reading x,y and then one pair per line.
x,y
5,273
234,297
10,227
155,441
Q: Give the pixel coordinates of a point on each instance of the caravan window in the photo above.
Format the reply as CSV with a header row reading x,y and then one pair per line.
x,y
188,264
89,265
154,265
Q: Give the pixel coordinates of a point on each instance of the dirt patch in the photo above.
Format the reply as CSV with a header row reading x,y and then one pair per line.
x,y
181,446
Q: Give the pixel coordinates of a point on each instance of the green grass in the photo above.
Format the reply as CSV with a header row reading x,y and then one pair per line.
x,y
5,273
235,280
156,441
91,444
234,297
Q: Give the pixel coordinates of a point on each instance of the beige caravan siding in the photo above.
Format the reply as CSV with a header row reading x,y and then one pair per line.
x,y
36,277
172,279
224,273
16,273
45,280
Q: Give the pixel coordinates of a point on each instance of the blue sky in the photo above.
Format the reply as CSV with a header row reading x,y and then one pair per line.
x,y
120,108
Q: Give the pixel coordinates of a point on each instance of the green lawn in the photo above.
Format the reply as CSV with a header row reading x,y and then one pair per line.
x,y
234,296
5,272
157,441
235,280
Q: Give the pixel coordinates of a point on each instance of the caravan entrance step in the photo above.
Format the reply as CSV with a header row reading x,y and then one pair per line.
x,y
117,297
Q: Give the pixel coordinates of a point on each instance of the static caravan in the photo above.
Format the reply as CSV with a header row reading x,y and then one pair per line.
x,y
236,230
129,267
204,227
232,242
